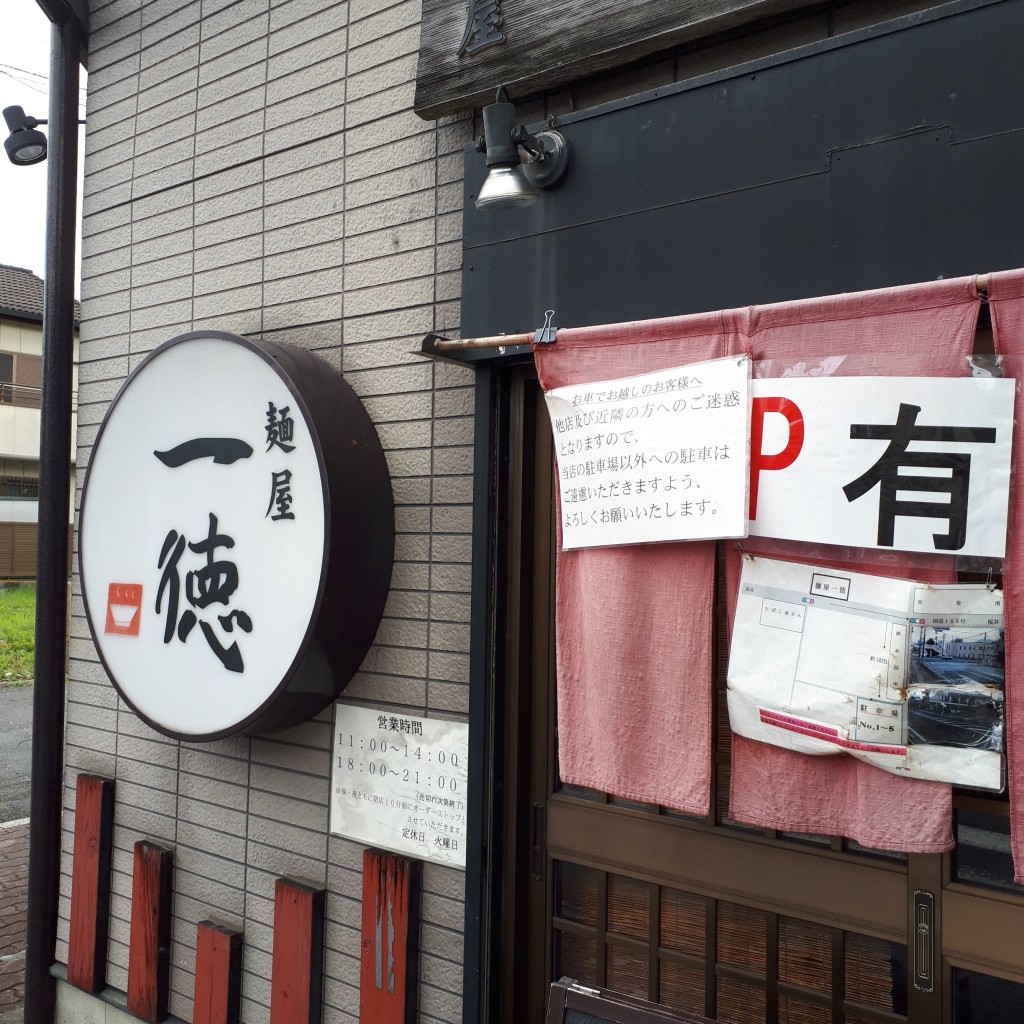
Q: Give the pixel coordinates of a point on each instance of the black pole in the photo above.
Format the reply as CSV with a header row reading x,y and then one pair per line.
x,y
54,503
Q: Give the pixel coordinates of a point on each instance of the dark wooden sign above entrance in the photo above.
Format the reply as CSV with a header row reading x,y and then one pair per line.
x,y
470,47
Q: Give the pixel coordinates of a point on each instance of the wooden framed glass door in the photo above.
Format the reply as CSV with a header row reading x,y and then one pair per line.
x,y
705,915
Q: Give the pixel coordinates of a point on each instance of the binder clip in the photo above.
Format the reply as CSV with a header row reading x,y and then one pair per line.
x,y
548,334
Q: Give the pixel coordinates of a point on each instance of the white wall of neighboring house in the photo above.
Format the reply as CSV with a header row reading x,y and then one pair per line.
x,y
19,432
19,426
18,337
18,510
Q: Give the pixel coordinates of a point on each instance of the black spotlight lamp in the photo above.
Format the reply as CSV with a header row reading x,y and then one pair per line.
x,y
511,181
24,145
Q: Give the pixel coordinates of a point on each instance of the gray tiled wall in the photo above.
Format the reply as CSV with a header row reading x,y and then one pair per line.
x,y
254,166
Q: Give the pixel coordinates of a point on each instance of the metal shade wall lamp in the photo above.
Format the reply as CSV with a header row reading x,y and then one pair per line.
x,y
511,181
24,145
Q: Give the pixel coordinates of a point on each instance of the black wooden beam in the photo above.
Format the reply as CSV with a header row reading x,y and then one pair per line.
x,y
549,43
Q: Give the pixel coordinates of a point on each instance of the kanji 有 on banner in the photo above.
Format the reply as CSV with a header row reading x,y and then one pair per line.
x,y
908,463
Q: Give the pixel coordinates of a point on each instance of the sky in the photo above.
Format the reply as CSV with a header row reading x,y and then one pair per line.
x,y
24,70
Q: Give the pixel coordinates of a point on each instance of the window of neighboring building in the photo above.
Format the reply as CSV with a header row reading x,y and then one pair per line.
x,y
6,377
20,379
19,478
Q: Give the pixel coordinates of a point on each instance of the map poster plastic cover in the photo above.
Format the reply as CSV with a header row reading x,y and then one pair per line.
x,y
906,676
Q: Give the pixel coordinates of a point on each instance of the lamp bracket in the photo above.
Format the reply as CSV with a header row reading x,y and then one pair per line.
x,y
549,154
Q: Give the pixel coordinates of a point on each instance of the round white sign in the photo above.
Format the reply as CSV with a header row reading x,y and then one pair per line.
x,y
204,535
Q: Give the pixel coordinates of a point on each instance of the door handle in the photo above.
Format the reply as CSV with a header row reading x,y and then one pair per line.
x,y
924,940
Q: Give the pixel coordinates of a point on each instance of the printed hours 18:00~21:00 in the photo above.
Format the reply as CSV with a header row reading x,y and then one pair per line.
x,y
384,758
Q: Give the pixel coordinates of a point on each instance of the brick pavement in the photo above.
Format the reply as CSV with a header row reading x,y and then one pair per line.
x,y
13,900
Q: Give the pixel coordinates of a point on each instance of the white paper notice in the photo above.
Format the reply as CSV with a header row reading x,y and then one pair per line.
x,y
399,783
906,676
658,457
911,463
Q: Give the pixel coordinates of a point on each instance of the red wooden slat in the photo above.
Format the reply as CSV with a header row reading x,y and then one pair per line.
x,y
387,975
90,882
218,974
149,945
296,977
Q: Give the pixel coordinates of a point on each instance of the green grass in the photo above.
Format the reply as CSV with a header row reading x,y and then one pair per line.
x,y
17,634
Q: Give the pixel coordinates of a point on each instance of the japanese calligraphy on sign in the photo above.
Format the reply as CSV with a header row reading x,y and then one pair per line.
x,y
226,476
903,675
657,457
204,533
916,464
483,24
400,783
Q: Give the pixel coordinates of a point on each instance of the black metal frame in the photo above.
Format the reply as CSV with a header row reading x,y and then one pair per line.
x,y
477,931
484,909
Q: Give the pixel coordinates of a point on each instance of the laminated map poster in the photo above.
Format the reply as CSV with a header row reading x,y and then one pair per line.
x,y
906,676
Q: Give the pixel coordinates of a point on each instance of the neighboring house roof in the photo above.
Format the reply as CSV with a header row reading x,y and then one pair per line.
x,y
21,295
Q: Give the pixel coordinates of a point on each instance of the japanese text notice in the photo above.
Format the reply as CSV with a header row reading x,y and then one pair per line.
x,y
399,783
657,457
910,463
906,676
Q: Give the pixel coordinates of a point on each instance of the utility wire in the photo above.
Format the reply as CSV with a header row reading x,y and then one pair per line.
x,y
33,88
7,69
34,74
24,71
20,81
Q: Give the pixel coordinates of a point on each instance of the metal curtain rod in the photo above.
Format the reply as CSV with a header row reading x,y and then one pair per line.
x,y
435,345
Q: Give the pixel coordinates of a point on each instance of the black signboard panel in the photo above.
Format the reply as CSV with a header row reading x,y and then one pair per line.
x,y
887,158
